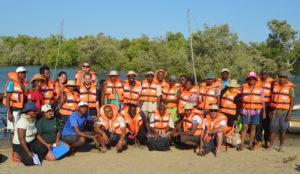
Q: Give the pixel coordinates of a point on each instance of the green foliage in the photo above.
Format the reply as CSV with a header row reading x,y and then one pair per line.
x,y
214,48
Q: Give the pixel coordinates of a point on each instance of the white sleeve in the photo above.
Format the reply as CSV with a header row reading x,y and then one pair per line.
x,y
152,120
171,123
121,121
197,119
99,121
22,123
223,123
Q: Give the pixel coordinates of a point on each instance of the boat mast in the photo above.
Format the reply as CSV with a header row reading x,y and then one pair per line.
x,y
58,48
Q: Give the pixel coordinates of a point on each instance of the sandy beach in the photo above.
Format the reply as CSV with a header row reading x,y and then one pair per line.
x,y
137,160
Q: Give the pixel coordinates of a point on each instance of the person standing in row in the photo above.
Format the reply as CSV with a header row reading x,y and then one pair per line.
x,y
69,100
88,93
264,125
79,77
59,85
14,100
224,78
47,86
170,97
253,107
113,92
150,95
189,94
209,93
282,103
159,77
35,93
132,89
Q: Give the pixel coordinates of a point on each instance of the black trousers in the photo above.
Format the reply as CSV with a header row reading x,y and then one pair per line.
x,y
264,125
35,147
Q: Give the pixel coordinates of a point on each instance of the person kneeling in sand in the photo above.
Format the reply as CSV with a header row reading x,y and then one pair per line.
x,y
136,123
192,126
111,128
215,124
73,132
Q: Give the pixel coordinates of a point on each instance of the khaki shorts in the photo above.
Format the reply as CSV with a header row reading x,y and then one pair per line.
x,y
11,124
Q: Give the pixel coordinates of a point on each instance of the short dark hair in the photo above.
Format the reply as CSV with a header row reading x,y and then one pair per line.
x,y
185,76
43,68
87,74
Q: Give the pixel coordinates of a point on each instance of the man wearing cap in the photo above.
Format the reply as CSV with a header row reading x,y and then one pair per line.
x,y
264,125
47,86
224,78
215,126
253,107
190,128
85,69
170,97
160,76
209,93
88,93
69,101
282,102
15,98
150,95
73,132
230,102
113,92
132,89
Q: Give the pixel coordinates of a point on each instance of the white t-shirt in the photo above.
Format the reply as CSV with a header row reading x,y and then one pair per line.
x,y
171,123
120,119
31,130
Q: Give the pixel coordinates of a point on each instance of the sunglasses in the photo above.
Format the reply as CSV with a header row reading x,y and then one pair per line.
x,y
85,66
39,81
213,110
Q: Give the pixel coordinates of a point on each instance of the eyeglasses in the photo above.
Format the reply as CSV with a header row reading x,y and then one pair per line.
x,y
85,66
213,110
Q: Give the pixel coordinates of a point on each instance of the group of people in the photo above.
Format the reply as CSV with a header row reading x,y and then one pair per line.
x,y
115,113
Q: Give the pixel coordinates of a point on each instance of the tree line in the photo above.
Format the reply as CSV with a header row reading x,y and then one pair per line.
x,y
214,48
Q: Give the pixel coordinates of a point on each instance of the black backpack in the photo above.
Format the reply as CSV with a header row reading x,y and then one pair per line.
x,y
159,144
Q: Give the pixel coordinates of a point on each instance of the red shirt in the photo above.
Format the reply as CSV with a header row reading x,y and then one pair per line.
x,y
36,97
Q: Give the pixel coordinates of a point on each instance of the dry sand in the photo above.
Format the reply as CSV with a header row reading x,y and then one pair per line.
x,y
137,160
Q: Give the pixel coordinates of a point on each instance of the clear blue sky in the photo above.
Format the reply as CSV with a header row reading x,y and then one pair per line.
x,y
132,18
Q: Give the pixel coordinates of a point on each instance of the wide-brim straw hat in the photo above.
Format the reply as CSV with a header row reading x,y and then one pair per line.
x,y
161,70
188,106
113,73
150,73
36,77
214,107
233,84
132,73
71,83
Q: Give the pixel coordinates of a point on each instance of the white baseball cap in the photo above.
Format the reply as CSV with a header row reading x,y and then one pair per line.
x,y
83,103
46,108
20,69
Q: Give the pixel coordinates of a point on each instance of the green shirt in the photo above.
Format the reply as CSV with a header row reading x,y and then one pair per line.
x,y
47,129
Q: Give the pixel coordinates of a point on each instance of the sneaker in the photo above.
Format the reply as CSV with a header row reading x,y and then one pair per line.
x,y
258,144
15,157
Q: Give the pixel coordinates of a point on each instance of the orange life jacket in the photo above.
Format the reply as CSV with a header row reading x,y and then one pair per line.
x,y
184,98
162,84
79,75
266,86
132,94
207,96
252,99
227,103
170,94
134,123
149,91
57,91
115,124
48,92
219,83
211,124
17,97
161,123
280,97
90,96
71,103
188,122
111,89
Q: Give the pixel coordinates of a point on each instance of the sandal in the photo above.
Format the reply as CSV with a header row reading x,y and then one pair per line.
x,y
239,148
251,148
15,158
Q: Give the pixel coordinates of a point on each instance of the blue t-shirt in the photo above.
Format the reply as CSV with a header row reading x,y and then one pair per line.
x,y
10,87
75,120
224,83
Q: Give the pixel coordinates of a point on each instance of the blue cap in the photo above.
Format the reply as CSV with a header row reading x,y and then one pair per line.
x,y
210,76
30,106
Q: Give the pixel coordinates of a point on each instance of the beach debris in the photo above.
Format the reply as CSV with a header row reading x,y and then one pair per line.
x,y
290,158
